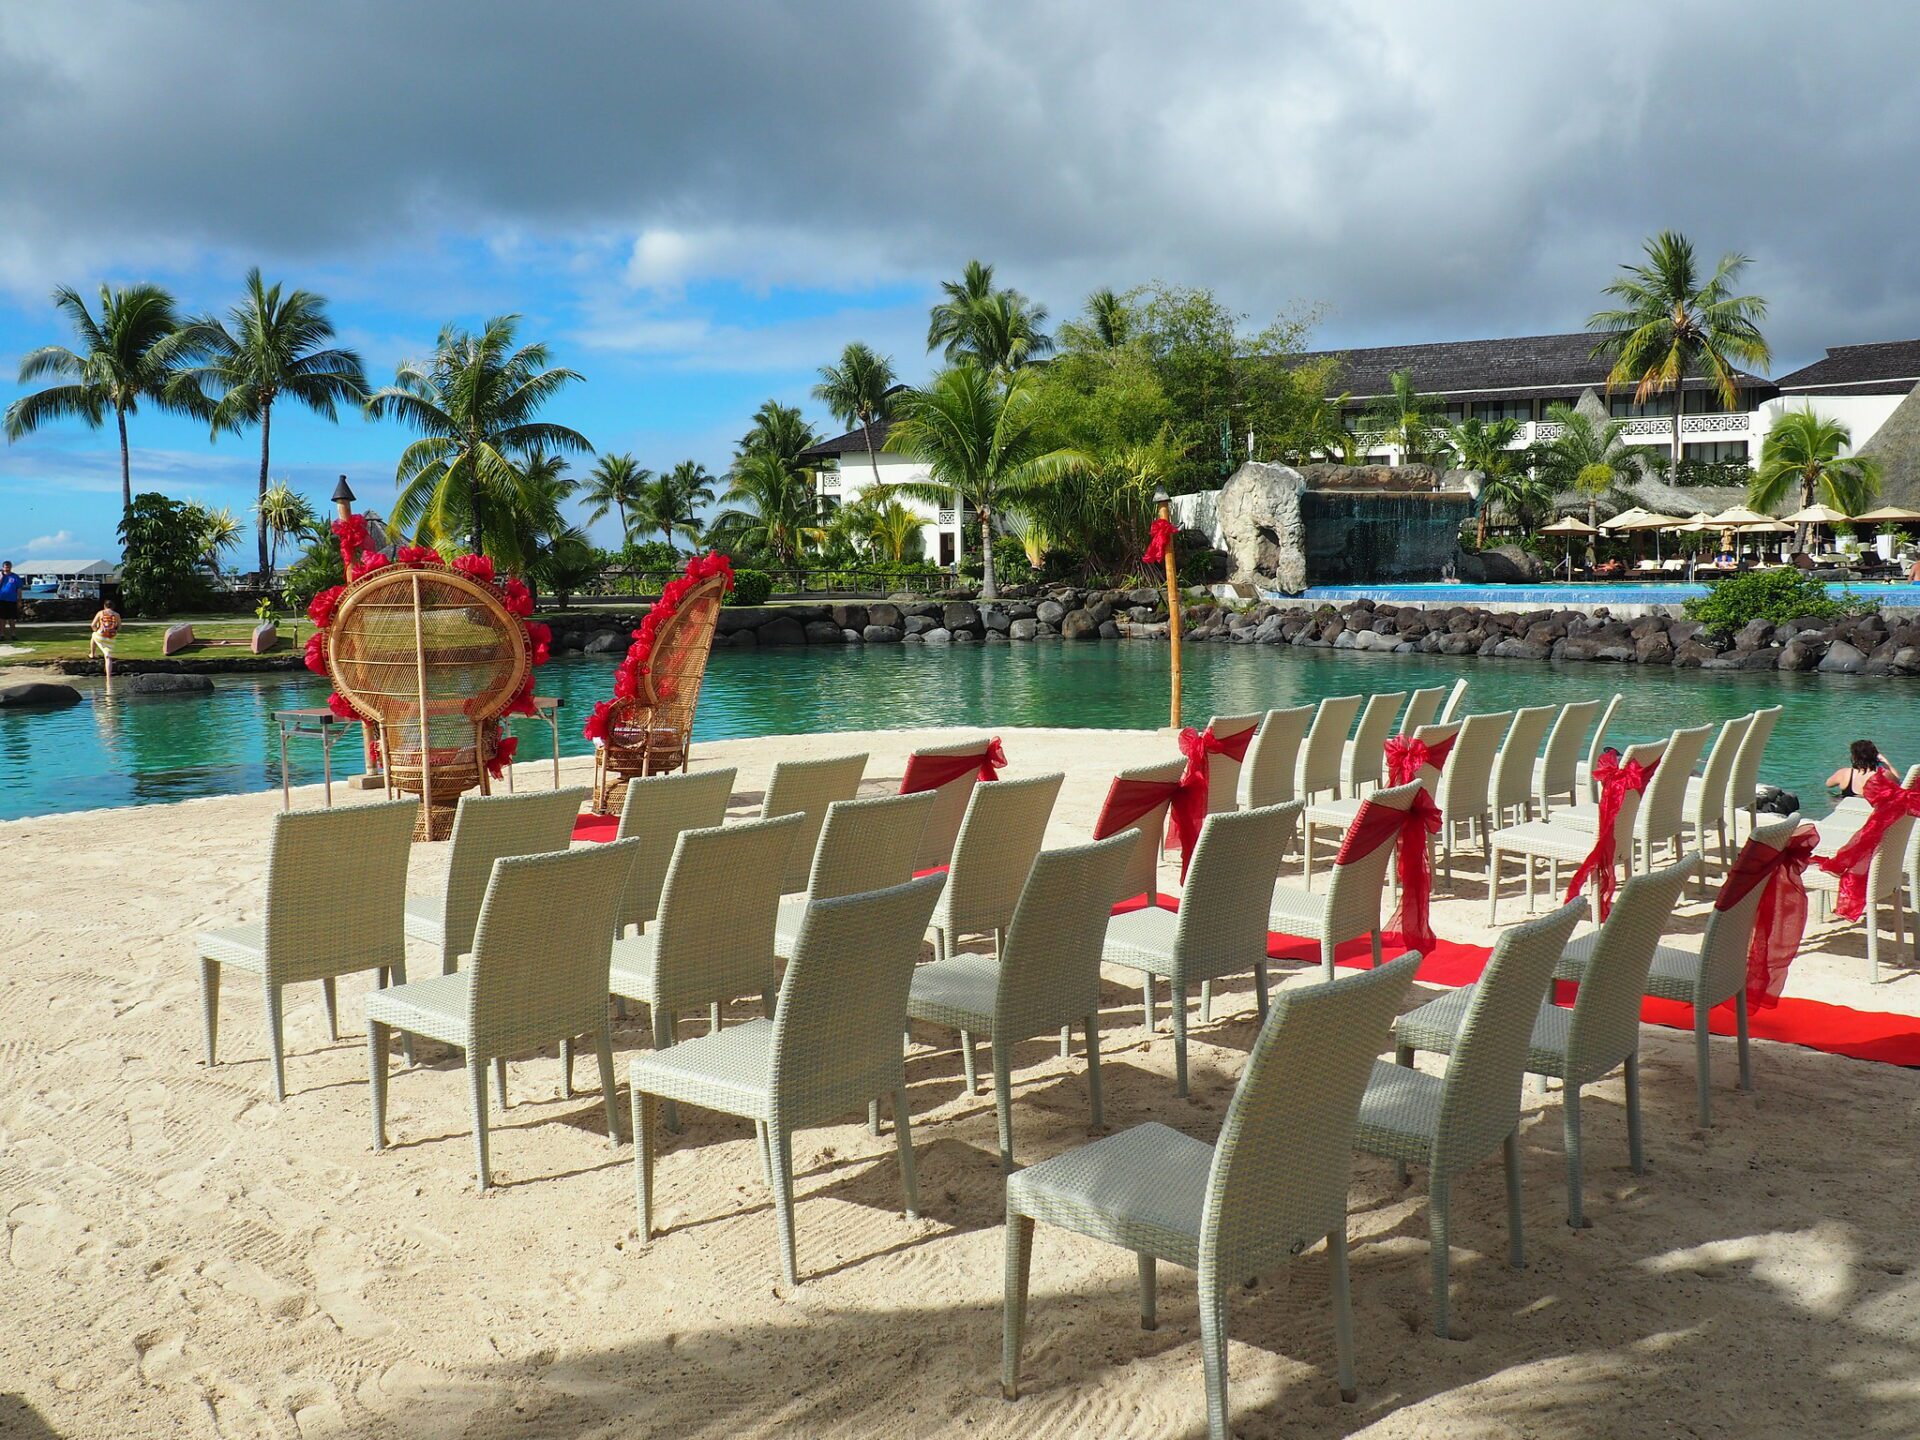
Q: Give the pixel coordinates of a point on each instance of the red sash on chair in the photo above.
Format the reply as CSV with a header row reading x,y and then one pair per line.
x,y
930,772
1782,917
1850,861
1407,756
1614,780
1372,827
1189,809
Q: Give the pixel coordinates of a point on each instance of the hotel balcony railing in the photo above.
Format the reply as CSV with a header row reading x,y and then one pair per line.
x,y
1723,425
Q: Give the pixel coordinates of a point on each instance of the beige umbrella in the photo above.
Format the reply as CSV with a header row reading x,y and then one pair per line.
x,y
1569,526
1656,522
1625,520
1889,515
1819,515
1739,517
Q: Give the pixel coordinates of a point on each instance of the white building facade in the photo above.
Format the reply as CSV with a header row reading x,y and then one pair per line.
x,y
845,472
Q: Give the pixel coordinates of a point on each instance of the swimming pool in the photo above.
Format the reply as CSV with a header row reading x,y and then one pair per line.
x,y
1902,593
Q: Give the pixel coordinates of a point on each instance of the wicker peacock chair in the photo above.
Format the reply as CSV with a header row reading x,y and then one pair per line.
x,y
430,657
650,731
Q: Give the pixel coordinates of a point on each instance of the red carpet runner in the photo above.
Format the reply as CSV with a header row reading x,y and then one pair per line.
x,y
1860,1034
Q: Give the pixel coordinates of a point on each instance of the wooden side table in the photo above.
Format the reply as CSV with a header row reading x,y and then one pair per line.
x,y
323,723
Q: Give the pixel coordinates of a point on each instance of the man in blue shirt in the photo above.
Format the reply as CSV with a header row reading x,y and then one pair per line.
x,y
10,587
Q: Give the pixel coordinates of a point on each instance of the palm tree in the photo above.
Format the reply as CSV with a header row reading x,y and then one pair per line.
x,y
777,430
982,445
855,391
778,514
1506,478
132,352
271,345
1670,327
475,405
1585,455
544,548
1403,418
671,504
283,514
615,483
1110,318
884,527
1803,450
218,531
998,329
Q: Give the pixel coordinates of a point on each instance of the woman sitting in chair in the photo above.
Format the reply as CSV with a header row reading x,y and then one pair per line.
x,y
1864,761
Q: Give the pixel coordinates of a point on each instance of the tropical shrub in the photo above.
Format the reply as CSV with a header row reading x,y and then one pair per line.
x,y
164,544
1773,595
320,568
750,587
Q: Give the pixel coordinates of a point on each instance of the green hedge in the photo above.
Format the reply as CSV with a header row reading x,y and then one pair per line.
x,y
1773,595
750,587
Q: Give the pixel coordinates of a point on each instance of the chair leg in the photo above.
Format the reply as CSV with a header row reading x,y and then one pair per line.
x,y
1740,1026
330,992
1437,1217
1146,1000
967,1064
1636,1151
1402,1055
1375,938
1179,994
1260,987
1014,1328
1326,957
1702,1059
643,1152
275,1044
477,1086
1149,1287
1493,888
1873,938
1516,1220
609,1089
780,1142
1206,1002
377,1080
500,1081
1342,1313
1213,1354
1003,1100
903,1141
1092,1028
1570,1121
210,1005
662,1038
566,1068
873,1117
1066,1042
766,1153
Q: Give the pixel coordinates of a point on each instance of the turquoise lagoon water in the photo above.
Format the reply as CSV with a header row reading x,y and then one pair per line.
x,y
118,750
1892,594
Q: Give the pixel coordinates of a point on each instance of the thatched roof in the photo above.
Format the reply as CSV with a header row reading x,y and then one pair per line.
x,y
1896,445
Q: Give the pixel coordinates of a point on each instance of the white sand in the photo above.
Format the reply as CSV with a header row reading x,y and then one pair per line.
x,y
183,1256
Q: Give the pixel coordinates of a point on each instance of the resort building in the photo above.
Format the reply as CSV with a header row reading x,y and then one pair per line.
x,y
845,471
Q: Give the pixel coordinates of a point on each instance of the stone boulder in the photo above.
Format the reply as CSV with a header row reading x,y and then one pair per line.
x,y
1023,629
170,682
959,615
916,626
605,642
1261,528
1080,625
884,615
822,632
1500,565
1050,612
852,617
938,636
783,630
38,695
881,635
1842,659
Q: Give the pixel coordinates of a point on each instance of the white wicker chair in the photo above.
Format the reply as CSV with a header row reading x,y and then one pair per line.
x,y
336,892
1886,870
1143,868
1584,770
487,828
1709,976
1221,925
1363,759
949,806
537,975
1556,772
1465,792
656,809
1455,698
1423,708
864,845
1275,1182
1513,767
1274,759
806,788
1558,842
1704,807
1599,1034
1325,748
1661,817
1047,975
1002,831
832,1047
1223,771
1351,907
1743,786
1452,1123
1337,815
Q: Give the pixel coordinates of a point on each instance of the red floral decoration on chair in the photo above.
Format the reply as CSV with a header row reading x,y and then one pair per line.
x,y
638,661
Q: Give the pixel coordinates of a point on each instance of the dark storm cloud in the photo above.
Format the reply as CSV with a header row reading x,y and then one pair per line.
x,y
1426,172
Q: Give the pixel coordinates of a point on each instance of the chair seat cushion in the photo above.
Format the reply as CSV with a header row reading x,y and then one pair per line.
x,y
1142,939
1143,1189
1295,911
1435,1025
244,946
630,974
726,1070
1400,1113
1547,838
435,1008
426,919
959,992
1337,813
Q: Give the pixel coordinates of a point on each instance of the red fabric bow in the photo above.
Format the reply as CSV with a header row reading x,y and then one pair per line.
x,y
320,609
1614,780
502,757
519,599
1160,536
1782,917
1890,802
316,656
599,723
540,642
352,535
369,561
418,555
1373,825
475,567
930,772
1188,811
1408,756
337,703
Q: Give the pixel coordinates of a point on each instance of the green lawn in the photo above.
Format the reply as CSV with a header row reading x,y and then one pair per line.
x,y
139,640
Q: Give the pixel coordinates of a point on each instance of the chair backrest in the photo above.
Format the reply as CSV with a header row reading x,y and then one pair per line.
x,y
1666,797
1423,708
1605,1027
1466,785
949,805
1284,1158
1558,772
1480,1097
1365,761
713,939
657,809
805,788
1745,780
1143,866
1429,774
1050,961
335,873
1723,949
1455,697
540,968
868,844
1599,741
1275,756
843,1002
1513,766
1229,889
1888,866
1223,771
1626,822
1710,799
1326,743
487,828
1353,894
1002,831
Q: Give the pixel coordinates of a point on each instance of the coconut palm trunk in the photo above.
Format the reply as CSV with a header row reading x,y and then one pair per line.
x,y
266,430
866,428
126,468
987,590
1677,398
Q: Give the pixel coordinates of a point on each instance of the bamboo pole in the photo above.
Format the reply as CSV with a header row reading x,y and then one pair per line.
x,y
1173,606
426,740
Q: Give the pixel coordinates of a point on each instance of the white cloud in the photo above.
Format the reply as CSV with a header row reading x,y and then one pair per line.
x,y
48,544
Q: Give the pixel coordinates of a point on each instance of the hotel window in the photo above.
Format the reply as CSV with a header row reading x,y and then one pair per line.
x,y
1491,410
1452,414
1716,450
1625,407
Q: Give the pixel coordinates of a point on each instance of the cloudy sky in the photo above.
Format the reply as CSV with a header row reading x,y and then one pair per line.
x,y
697,205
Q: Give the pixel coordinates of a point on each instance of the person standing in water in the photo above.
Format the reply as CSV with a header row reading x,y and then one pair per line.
x,y
106,625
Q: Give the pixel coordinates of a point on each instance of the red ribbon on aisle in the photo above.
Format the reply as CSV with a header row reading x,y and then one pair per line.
x,y
930,772
1160,536
1408,756
1890,802
1373,825
1781,918
1614,780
